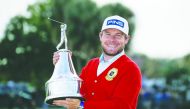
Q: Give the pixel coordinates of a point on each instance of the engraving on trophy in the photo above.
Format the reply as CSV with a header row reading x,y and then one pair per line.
x,y
64,82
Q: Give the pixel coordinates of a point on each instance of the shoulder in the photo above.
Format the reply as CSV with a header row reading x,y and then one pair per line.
x,y
129,62
90,66
131,69
131,66
93,60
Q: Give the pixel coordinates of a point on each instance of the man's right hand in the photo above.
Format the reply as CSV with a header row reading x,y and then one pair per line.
x,y
55,57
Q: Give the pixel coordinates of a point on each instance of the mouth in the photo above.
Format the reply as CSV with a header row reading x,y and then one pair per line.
x,y
111,47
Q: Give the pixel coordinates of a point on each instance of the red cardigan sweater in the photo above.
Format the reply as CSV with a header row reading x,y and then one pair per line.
x,y
117,87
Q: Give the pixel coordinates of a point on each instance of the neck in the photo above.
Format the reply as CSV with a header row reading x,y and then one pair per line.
x,y
107,57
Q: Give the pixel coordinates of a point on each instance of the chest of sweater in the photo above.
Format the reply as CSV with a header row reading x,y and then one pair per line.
x,y
104,85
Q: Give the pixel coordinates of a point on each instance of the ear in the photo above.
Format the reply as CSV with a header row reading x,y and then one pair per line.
x,y
127,39
100,35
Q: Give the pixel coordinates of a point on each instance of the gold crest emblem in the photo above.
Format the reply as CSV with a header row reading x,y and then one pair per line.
x,y
111,74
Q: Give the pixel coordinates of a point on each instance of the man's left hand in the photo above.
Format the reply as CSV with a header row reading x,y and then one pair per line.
x,y
69,103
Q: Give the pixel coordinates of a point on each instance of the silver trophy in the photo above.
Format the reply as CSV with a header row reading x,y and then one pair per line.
x,y
64,82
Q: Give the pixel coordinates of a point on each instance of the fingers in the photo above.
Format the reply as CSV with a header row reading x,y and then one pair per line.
x,y
73,103
55,57
61,103
68,103
70,53
72,100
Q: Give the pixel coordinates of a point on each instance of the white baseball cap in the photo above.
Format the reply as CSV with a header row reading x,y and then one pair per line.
x,y
116,22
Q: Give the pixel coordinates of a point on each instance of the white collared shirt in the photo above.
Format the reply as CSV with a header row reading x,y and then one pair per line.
x,y
105,64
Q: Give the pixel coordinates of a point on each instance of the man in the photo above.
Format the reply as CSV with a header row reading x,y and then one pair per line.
x,y
112,81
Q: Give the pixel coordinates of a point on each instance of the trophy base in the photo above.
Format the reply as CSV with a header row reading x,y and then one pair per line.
x,y
50,101
62,88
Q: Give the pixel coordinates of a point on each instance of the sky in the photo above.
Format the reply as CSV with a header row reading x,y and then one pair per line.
x,y
162,26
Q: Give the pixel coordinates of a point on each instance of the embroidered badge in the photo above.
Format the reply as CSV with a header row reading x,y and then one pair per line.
x,y
111,74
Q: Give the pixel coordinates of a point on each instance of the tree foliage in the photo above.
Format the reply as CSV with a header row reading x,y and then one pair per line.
x,y
27,48
172,69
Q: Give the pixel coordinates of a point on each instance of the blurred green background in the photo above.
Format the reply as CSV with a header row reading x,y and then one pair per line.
x,y
27,47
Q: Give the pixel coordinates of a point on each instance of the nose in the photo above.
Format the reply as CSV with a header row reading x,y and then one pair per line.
x,y
112,38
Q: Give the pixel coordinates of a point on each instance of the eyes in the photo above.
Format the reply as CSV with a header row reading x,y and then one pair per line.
x,y
115,36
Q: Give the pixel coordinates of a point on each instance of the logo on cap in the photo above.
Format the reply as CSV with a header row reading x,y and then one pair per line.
x,y
115,22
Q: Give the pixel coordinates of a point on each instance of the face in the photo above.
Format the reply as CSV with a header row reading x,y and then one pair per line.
x,y
113,41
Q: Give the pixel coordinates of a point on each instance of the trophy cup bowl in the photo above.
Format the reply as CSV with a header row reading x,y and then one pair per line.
x,y
64,83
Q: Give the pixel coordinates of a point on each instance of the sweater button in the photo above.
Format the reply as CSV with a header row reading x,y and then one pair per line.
x,y
92,93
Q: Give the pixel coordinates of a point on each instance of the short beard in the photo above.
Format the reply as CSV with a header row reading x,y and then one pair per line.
x,y
109,54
